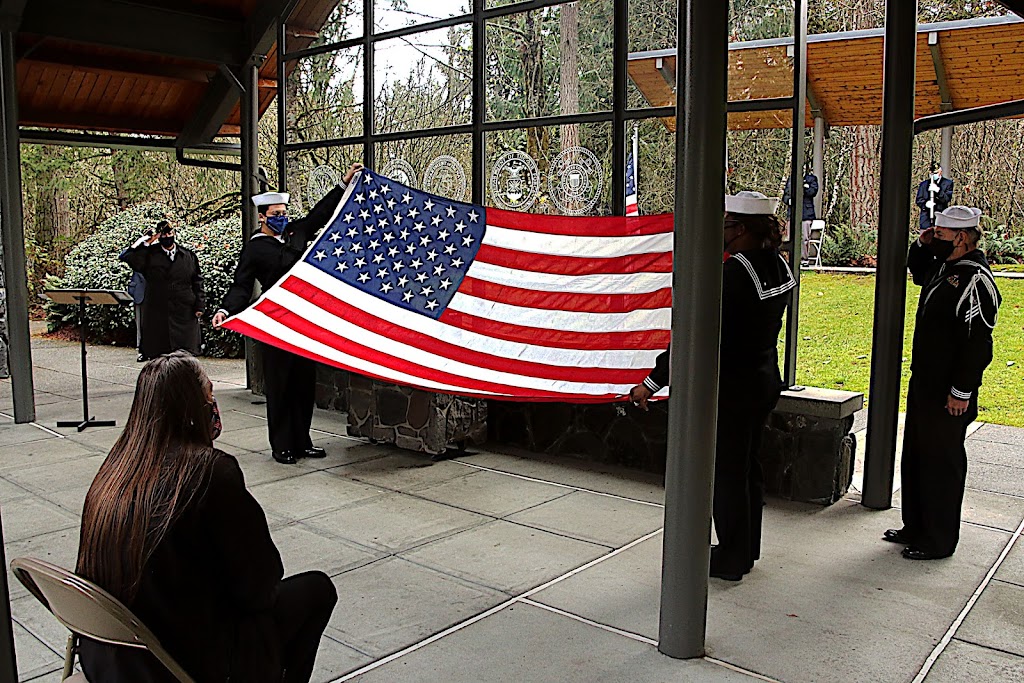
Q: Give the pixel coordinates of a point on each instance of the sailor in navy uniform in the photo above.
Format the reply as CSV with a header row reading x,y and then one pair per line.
x,y
756,282
956,313
290,380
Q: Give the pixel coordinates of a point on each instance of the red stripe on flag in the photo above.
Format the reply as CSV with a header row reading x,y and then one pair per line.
x,y
606,226
315,332
339,308
646,340
658,262
564,301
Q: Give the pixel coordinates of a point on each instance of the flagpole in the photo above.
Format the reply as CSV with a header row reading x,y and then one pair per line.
x,y
636,165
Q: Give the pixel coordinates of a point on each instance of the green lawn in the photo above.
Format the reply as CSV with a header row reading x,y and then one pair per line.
x,y
835,344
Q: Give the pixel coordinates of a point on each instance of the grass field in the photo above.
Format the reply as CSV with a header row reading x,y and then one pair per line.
x,y
835,345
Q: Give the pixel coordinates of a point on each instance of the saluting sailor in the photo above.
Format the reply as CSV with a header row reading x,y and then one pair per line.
x,y
756,281
956,314
290,379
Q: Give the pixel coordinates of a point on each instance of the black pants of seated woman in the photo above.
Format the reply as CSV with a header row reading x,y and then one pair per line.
x,y
288,635
739,479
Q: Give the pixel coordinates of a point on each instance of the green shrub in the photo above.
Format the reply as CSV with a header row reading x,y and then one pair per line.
x,y
93,263
845,246
1000,244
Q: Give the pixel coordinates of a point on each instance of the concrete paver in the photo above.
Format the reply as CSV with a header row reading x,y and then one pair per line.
x,y
968,663
997,620
590,517
490,494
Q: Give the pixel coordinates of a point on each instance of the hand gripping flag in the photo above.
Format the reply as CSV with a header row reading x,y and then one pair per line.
x,y
416,289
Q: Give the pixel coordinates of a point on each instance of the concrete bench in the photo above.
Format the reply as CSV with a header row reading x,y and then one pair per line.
x,y
807,449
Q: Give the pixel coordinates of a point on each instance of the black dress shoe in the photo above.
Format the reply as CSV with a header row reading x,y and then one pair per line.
x,y
285,457
896,536
912,553
314,452
141,359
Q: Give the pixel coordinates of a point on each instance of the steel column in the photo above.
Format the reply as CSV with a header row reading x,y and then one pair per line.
x,y
11,225
249,119
696,319
620,57
796,184
946,151
818,163
891,277
369,154
479,103
282,107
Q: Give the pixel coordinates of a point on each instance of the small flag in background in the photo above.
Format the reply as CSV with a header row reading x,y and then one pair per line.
x,y
632,195
416,289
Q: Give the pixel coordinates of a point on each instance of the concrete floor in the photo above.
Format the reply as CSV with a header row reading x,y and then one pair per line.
x,y
496,567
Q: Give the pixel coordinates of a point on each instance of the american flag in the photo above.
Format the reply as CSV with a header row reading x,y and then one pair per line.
x,y
632,195
424,291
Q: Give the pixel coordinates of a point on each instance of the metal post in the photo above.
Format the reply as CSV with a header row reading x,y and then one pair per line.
x,y
19,337
946,152
796,184
282,106
479,103
891,277
250,112
818,162
701,75
369,154
620,57
8,659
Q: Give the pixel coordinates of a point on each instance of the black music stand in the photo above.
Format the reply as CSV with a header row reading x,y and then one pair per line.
x,y
99,297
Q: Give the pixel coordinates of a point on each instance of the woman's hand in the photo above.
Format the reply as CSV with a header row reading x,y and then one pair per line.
x,y
351,173
219,318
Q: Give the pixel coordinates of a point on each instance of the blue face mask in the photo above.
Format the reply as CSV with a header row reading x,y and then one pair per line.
x,y
935,177
277,223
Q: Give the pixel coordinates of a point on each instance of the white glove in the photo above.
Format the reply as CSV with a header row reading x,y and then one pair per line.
x,y
933,188
930,204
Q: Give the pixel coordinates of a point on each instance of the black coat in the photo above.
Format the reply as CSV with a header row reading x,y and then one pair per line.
x,y
942,199
206,593
956,313
174,294
810,192
266,259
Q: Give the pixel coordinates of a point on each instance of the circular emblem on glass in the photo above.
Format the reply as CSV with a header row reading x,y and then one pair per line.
x,y
322,180
445,177
515,181
401,171
575,180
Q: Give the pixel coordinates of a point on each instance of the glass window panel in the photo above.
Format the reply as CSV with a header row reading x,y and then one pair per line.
x,y
549,62
424,80
652,25
325,96
389,15
573,169
655,166
341,22
441,165
313,172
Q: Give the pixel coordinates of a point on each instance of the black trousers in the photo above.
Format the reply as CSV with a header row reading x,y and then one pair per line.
x,y
739,477
290,386
303,607
934,468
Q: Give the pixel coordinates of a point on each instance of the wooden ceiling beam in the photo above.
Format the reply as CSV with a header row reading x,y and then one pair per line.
x,y
940,71
103,64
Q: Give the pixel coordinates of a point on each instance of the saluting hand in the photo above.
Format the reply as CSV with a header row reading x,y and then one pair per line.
x,y
955,406
926,235
639,395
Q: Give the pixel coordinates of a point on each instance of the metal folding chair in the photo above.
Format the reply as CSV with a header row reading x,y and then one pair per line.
x,y
88,610
813,255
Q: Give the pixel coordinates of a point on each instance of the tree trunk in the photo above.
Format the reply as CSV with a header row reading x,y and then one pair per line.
x,y
864,156
531,50
569,90
120,172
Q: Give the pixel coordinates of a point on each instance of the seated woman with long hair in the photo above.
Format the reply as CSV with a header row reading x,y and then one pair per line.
x,y
171,531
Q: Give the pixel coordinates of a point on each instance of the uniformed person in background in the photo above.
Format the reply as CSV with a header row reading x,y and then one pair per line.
x,y
755,290
174,300
956,313
290,380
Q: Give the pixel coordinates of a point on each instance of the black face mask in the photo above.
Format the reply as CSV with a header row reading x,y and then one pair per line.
x,y
167,241
941,249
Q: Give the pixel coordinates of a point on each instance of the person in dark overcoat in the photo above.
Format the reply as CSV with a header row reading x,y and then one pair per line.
x,y
175,301
956,313
934,195
756,282
290,379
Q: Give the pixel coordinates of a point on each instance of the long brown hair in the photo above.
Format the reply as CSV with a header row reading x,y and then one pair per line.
x,y
152,473
766,228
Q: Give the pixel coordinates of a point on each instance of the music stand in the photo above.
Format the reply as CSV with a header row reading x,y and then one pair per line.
x,y
97,297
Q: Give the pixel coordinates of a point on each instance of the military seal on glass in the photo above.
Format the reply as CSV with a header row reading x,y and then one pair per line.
x,y
401,171
446,177
575,180
515,181
322,180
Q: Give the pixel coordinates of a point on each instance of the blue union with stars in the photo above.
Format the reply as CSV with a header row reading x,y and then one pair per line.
x,y
401,245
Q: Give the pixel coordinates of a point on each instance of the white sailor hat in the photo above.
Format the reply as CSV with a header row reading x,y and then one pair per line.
x,y
958,218
753,203
270,198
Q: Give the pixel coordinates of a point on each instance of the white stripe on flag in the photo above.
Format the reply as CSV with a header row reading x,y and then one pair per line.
x,y
614,283
570,245
474,341
406,352
569,321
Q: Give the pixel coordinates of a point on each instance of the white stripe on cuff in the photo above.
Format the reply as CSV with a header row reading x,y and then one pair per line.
x,y
962,395
652,385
